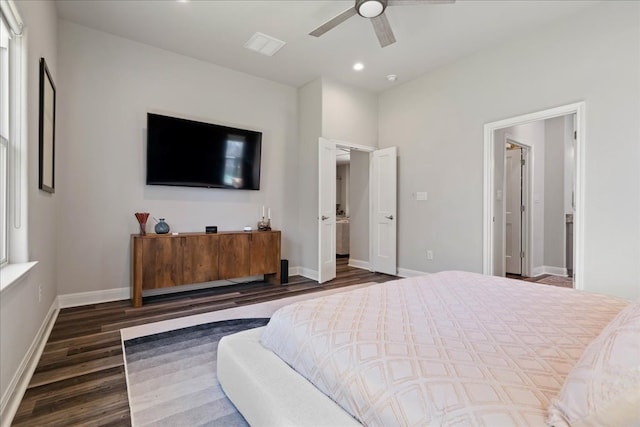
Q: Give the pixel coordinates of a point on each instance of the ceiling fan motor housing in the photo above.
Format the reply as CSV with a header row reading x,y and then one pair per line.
x,y
370,8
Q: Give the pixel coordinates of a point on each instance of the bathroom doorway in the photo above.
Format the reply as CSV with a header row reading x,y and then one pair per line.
x,y
553,200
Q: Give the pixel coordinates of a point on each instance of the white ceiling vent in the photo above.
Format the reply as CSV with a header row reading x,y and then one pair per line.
x,y
264,44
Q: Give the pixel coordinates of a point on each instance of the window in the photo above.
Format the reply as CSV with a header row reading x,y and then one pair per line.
x,y
5,38
13,162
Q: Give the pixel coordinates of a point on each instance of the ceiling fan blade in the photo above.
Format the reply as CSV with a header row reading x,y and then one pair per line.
x,y
408,2
383,30
333,22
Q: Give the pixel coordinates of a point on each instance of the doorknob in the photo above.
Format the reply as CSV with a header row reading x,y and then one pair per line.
x,y
324,217
389,217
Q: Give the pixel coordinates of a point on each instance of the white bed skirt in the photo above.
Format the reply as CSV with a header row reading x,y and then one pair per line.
x,y
267,392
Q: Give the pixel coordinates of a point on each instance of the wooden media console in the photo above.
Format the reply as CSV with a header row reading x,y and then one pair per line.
x,y
166,260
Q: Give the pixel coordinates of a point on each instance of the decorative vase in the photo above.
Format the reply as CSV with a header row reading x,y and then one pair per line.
x,y
142,220
162,227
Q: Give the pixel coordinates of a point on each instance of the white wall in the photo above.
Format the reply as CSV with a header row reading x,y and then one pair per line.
x,y
359,207
107,85
554,219
310,129
21,315
349,114
437,122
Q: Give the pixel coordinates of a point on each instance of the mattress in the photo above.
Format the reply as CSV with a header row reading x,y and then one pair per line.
x,y
451,348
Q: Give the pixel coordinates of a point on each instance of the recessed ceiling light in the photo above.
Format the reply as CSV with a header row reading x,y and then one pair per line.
x,y
358,66
392,77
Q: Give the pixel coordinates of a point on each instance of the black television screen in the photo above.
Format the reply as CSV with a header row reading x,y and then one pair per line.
x,y
196,154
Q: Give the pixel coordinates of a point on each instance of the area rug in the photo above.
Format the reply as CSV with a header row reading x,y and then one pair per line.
x,y
170,365
172,380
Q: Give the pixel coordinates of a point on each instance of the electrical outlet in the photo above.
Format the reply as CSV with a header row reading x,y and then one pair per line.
x,y
40,293
429,255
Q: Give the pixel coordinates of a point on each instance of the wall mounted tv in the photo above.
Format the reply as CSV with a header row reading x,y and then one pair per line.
x,y
195,154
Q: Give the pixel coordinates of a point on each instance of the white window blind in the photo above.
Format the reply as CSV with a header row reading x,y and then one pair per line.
x,y
12,172
5,38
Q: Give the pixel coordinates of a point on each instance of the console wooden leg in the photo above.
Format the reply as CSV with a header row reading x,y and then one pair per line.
x,y
273,278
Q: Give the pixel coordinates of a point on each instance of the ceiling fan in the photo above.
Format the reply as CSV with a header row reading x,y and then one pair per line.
x,y
374,10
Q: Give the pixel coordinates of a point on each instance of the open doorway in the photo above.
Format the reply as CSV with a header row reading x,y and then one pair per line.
x,y
354,206
372,213
533,187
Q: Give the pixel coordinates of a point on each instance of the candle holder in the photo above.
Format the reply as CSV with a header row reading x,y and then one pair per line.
x,y
142,218
264,225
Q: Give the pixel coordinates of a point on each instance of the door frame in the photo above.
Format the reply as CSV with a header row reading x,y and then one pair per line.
x,y
578,109
350,146
527,201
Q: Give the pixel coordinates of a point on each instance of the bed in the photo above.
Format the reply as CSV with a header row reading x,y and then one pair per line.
x,y
452,348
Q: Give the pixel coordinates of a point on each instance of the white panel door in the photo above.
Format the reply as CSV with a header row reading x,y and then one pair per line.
x,y
327,211
513,211
384,207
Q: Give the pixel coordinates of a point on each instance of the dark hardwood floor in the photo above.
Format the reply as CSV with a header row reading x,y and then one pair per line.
x,y
80,377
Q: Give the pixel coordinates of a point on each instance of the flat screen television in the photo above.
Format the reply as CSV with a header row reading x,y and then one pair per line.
x,y
196,154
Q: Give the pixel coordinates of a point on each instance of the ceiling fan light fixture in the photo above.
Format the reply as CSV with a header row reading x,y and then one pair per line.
x,y
370,8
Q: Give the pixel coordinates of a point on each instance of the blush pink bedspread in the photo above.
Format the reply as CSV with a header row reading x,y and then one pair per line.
x,y
448,349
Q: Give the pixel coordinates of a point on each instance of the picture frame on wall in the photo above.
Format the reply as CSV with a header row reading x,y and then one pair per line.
x,y
47,129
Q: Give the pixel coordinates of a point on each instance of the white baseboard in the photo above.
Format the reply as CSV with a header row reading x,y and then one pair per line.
x,y
405,272
93,297
547,269
294,271
305,272
20,381
313,274
118,294
359,264
556,271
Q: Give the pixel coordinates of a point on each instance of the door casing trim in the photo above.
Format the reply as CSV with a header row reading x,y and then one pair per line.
x,y
577,108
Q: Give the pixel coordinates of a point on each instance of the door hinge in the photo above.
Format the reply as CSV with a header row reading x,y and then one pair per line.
x,y
521,254
575,134
521,208
522,162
